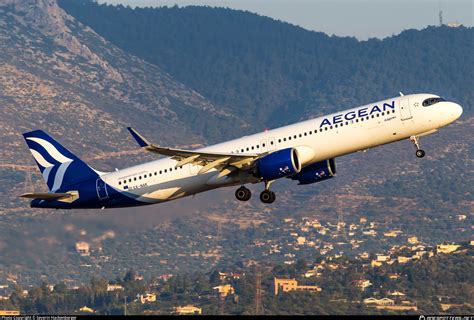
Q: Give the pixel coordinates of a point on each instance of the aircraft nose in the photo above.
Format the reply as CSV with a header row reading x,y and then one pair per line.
x,y
456,110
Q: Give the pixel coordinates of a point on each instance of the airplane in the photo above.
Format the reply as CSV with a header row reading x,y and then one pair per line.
x,y
304,152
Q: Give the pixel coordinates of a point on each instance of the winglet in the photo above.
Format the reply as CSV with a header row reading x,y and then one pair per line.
x,y
139,138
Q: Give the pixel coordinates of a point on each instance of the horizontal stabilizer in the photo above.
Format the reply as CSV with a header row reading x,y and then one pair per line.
x,y
65,197
44,195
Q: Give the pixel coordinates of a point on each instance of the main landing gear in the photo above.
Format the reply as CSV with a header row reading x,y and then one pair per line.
x,y
243,194
419,153
266,196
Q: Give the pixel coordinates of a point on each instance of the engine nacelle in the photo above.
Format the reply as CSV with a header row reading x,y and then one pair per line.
x,y
305,154
316,172
279,164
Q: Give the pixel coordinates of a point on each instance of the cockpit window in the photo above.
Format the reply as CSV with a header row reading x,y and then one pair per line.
x,y
431,101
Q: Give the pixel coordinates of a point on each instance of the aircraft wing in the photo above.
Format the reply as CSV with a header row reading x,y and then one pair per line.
x,y
223,162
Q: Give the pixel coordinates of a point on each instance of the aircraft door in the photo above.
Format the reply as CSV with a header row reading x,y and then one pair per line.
x,y
101,189
404,106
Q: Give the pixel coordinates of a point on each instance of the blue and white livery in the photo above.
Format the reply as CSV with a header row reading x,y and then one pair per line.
x,y
304,152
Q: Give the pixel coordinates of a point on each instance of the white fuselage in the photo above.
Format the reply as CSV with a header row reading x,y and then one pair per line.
x,y
317,139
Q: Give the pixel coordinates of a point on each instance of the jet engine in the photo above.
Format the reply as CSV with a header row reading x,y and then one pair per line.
x,y
316,172
279,164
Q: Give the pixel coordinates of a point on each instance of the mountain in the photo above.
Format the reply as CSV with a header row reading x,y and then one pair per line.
x,y
270,72
59,75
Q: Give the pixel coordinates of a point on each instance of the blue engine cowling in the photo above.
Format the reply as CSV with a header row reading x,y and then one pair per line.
x,y
279,164
316,172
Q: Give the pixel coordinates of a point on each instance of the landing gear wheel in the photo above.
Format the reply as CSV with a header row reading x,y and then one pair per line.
x,y
243,194
420,153
267,196
273,197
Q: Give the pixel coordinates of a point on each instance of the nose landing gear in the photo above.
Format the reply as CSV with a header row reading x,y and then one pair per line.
x,y
419,153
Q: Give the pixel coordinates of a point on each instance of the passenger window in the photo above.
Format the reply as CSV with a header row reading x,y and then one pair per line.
x,y
300,135
326,128
271,142
161,172
383,113
289,138
135,179
120,182
252,147
305,134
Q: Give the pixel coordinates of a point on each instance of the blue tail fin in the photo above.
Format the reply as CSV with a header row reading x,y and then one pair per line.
x,y
59,166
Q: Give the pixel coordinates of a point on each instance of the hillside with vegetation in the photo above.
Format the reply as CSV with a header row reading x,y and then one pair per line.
x,y
270,72
425,286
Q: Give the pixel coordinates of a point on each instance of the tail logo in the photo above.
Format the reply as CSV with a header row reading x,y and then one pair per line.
x,y
54,153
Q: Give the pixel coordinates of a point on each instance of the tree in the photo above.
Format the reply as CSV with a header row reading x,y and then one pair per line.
x,y
130,276
214,278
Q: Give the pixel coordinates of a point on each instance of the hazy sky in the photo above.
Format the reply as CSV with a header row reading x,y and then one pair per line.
x,y
362,19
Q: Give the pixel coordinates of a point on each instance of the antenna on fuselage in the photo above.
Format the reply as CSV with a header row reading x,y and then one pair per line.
x,y
401,93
